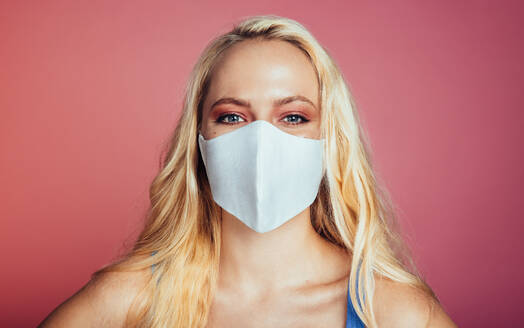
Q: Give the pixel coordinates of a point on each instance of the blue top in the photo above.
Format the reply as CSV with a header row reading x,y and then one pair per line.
x,y
353,320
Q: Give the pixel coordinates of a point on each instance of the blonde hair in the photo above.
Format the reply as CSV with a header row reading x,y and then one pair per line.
x,y
181,237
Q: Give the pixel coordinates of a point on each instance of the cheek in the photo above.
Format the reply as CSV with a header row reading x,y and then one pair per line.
x,y
313,130
206,128
210,129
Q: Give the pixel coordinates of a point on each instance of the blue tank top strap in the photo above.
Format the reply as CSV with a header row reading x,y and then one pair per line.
x,y
353,320
153,265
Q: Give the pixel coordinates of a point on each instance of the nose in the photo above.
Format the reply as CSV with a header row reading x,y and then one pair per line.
x,y
261,112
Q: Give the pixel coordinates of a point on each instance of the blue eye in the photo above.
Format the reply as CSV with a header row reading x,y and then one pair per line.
x,y
295,119
230,119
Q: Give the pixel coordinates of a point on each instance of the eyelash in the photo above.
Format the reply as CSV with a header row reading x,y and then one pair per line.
x,y
221,117
302,118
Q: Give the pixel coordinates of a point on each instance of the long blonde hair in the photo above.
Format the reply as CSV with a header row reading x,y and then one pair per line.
x,y
181,237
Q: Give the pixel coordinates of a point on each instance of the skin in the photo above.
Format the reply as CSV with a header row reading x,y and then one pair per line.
x,y
288,277
292,278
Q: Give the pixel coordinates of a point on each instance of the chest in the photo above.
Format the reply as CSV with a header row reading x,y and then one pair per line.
x,y
294,311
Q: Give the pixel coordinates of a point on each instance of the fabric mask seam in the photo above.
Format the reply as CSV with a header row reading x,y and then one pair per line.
x,y
258,188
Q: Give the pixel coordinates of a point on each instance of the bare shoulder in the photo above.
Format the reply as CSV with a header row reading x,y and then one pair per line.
x,y
401,305
103,302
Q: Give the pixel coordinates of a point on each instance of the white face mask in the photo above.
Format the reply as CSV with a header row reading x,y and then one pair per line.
x,y
262,175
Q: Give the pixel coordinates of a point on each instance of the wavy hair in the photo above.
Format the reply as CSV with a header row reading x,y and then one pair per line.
x,y
181,236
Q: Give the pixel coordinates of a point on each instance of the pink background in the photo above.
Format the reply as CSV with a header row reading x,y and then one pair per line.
x,y
89,91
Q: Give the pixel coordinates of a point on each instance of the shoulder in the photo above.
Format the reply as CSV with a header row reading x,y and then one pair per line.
x,y
400,305
103,302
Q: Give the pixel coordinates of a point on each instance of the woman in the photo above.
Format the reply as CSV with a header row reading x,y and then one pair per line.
x,y
266,212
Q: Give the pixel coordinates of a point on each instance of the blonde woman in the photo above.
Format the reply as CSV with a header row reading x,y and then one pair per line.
x,y
266,211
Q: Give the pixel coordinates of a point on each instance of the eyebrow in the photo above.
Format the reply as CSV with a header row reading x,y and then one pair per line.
x,y
276,102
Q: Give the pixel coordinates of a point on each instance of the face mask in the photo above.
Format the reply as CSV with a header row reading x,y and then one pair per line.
x,y
262,175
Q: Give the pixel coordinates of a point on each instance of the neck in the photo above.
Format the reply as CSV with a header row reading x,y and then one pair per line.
x,y
291,256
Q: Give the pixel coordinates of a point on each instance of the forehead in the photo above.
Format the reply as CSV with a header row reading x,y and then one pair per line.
x,y
261,70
